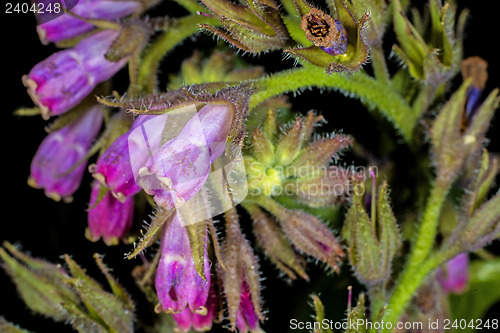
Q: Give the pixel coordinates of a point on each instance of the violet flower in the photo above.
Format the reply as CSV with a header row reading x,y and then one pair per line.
x,y
188,319
109,218
247,319
114,168
178,284
67,26
454,275
178,170
60,151
65,78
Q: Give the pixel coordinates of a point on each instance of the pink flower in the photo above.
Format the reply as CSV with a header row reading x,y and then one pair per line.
x,y
178,170
60,151
199,322
455,274
178,284
66,26
114,167
247,319
110,218
64,79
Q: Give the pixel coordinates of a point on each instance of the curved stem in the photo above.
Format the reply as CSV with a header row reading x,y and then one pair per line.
x,y
369,91
182,29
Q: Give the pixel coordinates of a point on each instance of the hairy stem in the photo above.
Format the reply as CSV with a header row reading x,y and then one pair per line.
x,y
420,262
409,283
375,95
182,29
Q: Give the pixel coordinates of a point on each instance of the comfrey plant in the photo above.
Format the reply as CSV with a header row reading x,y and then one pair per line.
x,y
230,182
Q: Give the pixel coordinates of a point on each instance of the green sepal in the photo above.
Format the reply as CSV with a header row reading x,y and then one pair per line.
x,y
7,327
262,147
289,145
412,44
153,232
197,234
319,310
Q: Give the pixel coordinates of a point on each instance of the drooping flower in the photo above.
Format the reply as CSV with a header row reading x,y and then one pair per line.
x,y
178,284
108,218
178,170
67,26
240,279
60,151
454,275
65,78
114,167
188,319
247,319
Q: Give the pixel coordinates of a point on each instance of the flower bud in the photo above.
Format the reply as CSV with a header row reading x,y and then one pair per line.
x,y
54,167
64,79
108,217
451,145
418,52
275,243
307,233
240,279
373,241
67,26
254,28
476,69
453,276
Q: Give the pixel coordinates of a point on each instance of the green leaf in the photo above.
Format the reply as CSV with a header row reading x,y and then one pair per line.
x,y
482,293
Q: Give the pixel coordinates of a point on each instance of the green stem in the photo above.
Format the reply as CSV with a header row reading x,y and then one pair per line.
x,y
183,28
377,301
369,91
379,65
408,285
429,226
420,263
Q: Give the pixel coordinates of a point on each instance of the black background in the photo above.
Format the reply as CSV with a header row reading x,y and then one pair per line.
x,y
48,229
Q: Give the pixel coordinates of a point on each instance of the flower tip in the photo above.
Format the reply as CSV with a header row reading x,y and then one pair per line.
x,y
55,196
33,183
119,196
42,34
31,85
97,176
202,311
90,236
